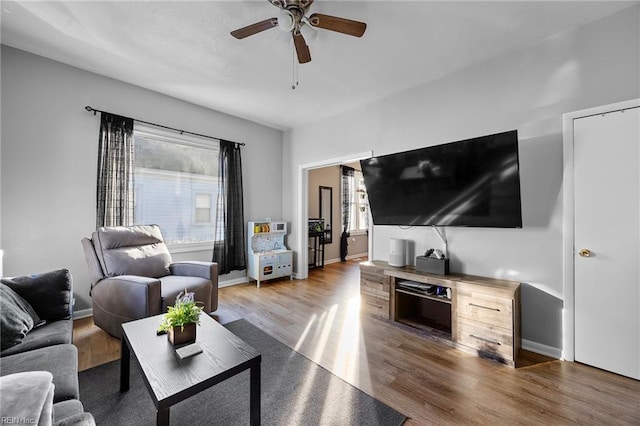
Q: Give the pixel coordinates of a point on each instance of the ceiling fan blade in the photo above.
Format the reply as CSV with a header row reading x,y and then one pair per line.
x,y
302,49
341,25
255,28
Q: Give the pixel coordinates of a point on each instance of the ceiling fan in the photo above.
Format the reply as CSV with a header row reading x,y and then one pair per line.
x,y
293,18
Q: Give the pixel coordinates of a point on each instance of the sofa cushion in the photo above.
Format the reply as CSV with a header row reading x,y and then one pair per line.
x,y
132,250
52,333
60,360
49,293
17,317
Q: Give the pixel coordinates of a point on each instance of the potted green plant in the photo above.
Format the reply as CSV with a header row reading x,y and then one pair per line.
x,y
181,319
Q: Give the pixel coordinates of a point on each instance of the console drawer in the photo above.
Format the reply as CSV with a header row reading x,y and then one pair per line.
x,y
374,305
490,341
486,309
374,288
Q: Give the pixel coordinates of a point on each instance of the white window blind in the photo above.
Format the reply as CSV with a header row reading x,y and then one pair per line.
x,y
176,184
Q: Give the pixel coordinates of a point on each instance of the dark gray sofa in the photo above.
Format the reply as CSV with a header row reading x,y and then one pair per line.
x,y
48,347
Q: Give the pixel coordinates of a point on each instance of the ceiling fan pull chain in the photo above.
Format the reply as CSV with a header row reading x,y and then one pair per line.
x,y
294,70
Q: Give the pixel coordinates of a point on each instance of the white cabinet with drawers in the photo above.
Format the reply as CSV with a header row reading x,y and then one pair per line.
x,y
268,256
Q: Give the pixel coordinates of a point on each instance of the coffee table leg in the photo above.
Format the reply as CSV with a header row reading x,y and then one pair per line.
x,y
125,355
162,417
254,417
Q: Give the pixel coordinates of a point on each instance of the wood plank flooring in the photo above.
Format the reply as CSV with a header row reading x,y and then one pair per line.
x,y
430,382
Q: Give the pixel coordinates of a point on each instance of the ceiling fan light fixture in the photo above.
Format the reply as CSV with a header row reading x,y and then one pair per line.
x,y
286,21
294,21
308,32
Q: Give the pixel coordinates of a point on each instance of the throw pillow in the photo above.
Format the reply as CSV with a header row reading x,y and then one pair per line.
x,y
49,293
17,317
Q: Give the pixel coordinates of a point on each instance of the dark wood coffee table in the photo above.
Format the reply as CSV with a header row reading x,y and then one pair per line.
x,y
171,380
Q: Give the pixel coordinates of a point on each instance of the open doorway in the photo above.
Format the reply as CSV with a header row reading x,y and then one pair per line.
x,y
326,208
305,195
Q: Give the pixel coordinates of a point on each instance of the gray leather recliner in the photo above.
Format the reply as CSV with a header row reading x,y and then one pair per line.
x,y
133,276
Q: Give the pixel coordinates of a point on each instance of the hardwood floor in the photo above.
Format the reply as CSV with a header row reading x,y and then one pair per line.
x,y
430,382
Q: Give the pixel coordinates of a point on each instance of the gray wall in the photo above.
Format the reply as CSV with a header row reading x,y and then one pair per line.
x,y
528,90
49,156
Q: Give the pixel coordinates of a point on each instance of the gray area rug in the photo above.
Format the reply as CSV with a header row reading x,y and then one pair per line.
x,y
295,391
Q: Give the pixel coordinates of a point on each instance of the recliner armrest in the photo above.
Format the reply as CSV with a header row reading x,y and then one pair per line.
x,y
129,296
207,270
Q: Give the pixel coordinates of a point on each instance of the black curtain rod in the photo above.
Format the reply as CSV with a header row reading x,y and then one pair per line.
x,y
90,109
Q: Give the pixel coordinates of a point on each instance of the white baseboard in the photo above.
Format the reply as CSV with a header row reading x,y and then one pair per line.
x,y
349,257
541,349
235,281
355,256
83,313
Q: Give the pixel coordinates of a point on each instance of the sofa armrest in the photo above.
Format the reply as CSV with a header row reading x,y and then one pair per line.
x,y
207,270
81,419
26,396
49,293
128,297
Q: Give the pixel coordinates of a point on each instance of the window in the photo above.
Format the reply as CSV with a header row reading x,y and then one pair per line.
x,y
359,210
176,184
203,208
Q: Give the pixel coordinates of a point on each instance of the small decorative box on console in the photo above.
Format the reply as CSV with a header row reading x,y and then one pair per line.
x,y
432,265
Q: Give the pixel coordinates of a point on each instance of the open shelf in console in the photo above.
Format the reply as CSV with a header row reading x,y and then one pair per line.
x,y
425,312
441,299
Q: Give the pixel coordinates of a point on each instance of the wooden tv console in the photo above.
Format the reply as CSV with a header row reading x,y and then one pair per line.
x,y
481,316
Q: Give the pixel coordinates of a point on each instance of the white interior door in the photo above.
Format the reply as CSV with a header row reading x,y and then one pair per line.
x,y
607,226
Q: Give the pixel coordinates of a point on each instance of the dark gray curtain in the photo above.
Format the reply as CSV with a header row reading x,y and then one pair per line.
x,y
115,171
347,182
229,248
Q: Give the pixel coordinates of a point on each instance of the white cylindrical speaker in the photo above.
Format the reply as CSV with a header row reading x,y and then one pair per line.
x,y
397,252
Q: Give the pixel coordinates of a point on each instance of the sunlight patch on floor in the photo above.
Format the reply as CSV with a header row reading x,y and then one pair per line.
x,y
320,340
339,330
323,330
296,410
337,400
348,344
303,336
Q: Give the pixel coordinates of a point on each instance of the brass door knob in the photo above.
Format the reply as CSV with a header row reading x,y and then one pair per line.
x,y
585,252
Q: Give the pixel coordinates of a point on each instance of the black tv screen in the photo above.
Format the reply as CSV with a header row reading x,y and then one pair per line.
x,y
473,182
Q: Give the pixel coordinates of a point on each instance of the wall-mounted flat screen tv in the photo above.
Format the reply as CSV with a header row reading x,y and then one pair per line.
x,y
473,182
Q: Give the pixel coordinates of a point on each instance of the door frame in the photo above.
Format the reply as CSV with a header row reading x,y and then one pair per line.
x,y
568,219
303,206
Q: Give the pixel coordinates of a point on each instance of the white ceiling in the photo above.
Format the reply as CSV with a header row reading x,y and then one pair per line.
x,y
183,48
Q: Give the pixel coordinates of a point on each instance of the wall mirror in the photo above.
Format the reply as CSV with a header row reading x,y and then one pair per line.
x,y
326,212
